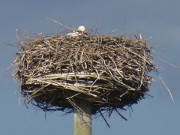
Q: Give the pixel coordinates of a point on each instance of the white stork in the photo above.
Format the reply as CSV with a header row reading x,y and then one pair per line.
x,y
80,31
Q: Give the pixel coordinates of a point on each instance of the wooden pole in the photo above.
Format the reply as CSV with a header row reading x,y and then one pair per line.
x,y
82,119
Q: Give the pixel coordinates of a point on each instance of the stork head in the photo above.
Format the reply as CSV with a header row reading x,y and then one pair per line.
x,y
81,29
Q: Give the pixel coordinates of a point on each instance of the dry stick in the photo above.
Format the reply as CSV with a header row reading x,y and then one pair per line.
x,y
82,119
120,114
168,63
172,98
104,119
61,24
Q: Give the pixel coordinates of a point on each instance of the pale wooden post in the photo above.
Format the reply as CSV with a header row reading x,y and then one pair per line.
x,y
82,120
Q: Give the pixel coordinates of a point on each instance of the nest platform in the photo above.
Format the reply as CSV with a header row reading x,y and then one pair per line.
x,y
110,72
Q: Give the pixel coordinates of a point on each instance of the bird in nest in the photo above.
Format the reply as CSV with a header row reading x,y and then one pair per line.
x,y
80,31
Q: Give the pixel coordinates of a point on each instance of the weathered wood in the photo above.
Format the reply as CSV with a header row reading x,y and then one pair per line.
x,y
82,119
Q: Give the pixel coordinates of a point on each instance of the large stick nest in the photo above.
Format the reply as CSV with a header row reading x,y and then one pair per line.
x,y
110,72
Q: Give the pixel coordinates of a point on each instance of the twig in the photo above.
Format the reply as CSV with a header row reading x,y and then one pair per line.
x,y
104,119
61,24
168,63
121,115
167,89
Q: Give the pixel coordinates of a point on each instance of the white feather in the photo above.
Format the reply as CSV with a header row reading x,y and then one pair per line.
x,y
73,34
81,29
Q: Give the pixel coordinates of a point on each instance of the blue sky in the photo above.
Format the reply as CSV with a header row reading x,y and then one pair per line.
x,y
159,19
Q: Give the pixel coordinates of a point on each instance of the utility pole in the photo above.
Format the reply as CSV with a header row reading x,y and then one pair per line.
x,y
82,119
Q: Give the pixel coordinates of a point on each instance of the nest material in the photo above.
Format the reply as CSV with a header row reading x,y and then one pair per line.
x,y
110,72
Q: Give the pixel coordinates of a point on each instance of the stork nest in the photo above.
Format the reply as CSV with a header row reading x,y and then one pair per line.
x,y
110,72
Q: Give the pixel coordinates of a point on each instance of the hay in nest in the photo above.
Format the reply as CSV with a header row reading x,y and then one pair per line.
x,y
110,72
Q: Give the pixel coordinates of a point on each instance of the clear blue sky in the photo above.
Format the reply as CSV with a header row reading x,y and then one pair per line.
x,y
159,19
